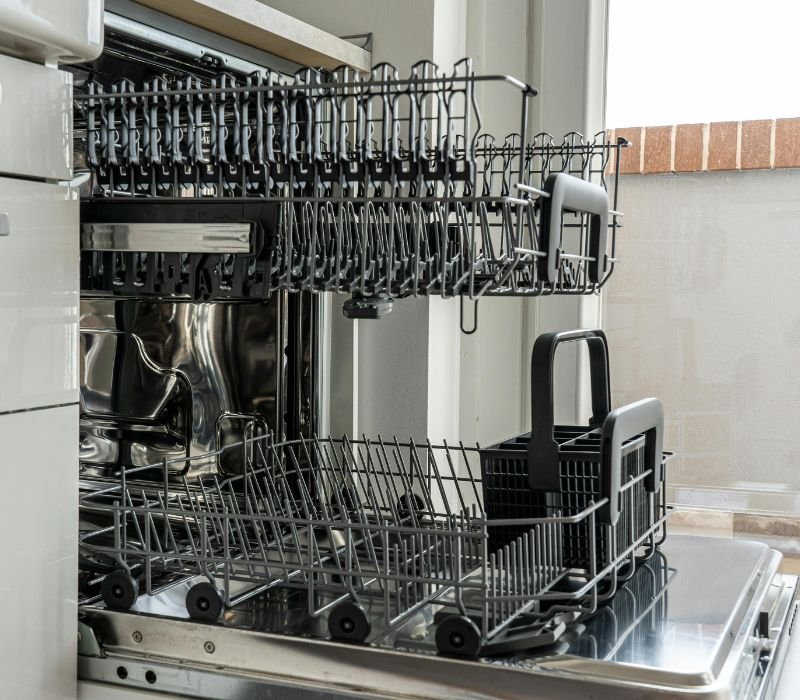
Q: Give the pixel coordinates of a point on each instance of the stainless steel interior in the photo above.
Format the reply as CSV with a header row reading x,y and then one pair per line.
x,y
165,379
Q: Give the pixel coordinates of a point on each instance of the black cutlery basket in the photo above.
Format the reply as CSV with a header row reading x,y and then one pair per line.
x,y
562,469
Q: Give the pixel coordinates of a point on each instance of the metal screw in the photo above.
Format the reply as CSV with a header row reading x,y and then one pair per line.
x,y
137,637
209,647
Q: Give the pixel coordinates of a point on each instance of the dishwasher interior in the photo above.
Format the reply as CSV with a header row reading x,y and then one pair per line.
x,y
229,546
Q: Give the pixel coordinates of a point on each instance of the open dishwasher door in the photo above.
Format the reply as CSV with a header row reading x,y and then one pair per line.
x,y
702,619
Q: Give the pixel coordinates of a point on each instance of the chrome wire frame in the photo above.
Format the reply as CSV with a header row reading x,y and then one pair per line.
x,y
393,526
384,186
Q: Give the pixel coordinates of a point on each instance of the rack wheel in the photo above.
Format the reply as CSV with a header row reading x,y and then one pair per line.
x,y
348,622
203,602
119,590
458,636
406,506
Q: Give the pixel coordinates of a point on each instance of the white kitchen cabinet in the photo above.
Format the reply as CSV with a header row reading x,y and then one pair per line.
x,y
35,120
38,295
54,31
38,584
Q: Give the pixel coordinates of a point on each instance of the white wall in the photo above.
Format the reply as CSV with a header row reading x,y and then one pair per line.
x,y
703,313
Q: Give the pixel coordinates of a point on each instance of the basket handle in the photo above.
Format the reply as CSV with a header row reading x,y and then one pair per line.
x,y
570,193
622,424
543,467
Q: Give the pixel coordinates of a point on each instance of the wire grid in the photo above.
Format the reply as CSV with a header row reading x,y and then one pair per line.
x,y
390,525
383,185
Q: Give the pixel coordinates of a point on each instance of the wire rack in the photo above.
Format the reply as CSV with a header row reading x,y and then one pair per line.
x,y
380,185
370,531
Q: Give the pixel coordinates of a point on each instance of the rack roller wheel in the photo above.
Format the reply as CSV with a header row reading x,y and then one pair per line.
x,y
348,622
119,590
203,602
406,506
458,636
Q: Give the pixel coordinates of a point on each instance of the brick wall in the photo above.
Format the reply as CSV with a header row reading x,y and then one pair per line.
x,y
760,144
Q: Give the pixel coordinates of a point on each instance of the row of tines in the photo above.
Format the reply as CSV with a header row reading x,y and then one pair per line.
x,y
263,133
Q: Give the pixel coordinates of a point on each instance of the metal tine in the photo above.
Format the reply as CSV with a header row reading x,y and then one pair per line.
x,y
413,458
308,242
325,241
192,499
236,526
456,485
463,253
381,520
388,478
295,536
361,223
403,472
224,512
379,266
319,478
257,525
471,476
210,497
417,226
187,526
367,534
270,502
370,261
319,470
169,535
351,472
128,500
305,496
379,509
400,247
246,147
397,582
356,241
161,544
110,127
384,477
545,560
439,482
346,519
323,481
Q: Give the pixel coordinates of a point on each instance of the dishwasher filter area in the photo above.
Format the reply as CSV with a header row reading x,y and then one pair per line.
x,y
702,618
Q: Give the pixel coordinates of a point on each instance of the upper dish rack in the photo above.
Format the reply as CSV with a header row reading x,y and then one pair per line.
x,y
375,186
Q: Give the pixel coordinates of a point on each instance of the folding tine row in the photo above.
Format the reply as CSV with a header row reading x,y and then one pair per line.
x,y
263,134
381,185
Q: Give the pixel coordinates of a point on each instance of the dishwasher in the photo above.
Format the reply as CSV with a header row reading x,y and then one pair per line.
x,y
228,546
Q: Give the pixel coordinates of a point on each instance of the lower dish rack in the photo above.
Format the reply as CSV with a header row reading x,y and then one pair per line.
x,y
369,532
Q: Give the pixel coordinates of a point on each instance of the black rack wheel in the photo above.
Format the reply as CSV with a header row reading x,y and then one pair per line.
x,y
203,602
457,635
406,506
119,590
349,622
